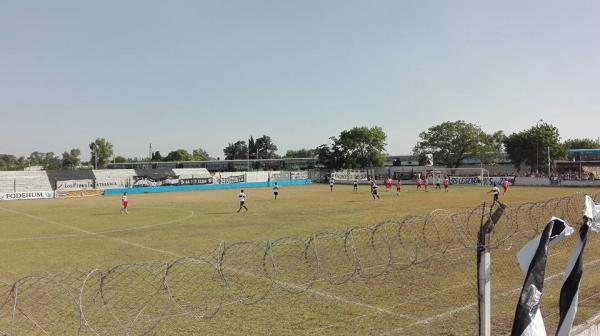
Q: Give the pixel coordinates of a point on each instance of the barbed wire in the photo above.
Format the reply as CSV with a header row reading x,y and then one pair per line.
x,y
141,298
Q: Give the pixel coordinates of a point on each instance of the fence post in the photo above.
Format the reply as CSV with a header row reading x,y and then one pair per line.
x,y
484,286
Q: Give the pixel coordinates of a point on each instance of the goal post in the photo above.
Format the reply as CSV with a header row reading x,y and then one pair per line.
x,y
475,175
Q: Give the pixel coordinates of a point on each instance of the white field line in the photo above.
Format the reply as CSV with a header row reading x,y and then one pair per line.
x,y
126,242
453,311
189,216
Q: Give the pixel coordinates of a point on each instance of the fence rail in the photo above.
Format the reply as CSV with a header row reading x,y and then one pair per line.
x,y
414,275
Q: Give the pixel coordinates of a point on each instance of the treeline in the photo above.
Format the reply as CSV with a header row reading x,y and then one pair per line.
x,y
449,142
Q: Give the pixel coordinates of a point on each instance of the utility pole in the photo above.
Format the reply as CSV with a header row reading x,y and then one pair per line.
x,y
548,161
150,152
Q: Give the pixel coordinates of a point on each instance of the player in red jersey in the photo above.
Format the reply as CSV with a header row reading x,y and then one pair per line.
x,y
419,182
124,203
398,187
446,183
505,185
388,184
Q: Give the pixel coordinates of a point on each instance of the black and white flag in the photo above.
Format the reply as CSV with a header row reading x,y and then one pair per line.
x,y
569,293
532,260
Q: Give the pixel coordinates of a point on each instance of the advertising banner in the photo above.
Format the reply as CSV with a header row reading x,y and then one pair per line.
x,y
78,193
233,179
26,195
477,180
68,185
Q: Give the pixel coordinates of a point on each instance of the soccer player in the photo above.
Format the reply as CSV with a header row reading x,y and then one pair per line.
x,y
275,190
419,181
425,183
496,192
438,183
242,197
398,187
446,183
505,185
355,185
331,181
124,203
374,189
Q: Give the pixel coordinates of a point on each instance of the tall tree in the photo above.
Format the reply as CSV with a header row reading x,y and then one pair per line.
x,y
359,147
583,143
70,160
52,162
156,156
252,154
101,152
452,141
363,147
300,153
236,151
531,146
265,148
200,155
178,155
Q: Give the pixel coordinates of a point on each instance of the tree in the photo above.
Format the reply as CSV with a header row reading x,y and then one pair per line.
x,y
363,147
359,147
531,146
452,141
156,156
101,151
178,155
37,158
120,159
52,162
236,151
71,159
300,153
583,143
265,148
11,162
252,148
200,155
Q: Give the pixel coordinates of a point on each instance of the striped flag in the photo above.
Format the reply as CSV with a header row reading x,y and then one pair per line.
x,y
569,293
532,260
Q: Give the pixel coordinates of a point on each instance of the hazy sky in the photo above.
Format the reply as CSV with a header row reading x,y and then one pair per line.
x,y
183,74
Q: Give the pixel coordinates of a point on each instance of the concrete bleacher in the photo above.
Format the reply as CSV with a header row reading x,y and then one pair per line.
x,y
114,178
20,181
187,173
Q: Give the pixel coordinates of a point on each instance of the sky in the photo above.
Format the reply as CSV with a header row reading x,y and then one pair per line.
x,y
189,74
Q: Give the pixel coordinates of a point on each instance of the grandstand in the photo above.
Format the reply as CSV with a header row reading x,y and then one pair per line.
x,y
21,181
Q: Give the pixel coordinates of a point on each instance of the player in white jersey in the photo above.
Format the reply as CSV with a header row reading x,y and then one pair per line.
x,y
331,182
275,190
496,192
355,185
242,197
374,189
124,203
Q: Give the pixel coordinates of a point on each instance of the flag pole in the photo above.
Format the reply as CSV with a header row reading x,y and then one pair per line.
x,y
484,262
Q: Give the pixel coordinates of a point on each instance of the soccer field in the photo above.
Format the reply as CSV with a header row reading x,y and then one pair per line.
x,y
70,237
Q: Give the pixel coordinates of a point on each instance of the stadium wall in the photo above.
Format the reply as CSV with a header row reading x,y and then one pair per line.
x,y
146,190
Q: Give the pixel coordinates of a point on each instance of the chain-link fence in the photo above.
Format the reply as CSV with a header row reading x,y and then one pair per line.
x,y
410,276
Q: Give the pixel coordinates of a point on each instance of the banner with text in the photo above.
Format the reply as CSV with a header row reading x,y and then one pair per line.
x,y
477,180
26,195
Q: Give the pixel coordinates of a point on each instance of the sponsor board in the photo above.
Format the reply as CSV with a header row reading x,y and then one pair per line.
x,y
26,195
78,193
477,180
233,179
68,185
